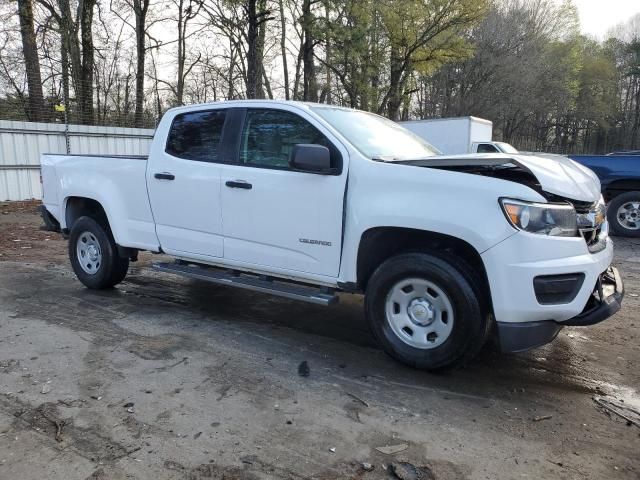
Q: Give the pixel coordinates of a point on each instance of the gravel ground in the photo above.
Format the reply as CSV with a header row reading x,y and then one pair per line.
x,y
165,378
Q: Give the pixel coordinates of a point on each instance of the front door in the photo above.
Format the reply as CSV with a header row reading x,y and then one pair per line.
x,y
183,180
278,218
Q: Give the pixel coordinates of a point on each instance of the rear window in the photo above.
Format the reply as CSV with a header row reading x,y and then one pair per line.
x,y
486,148
196,135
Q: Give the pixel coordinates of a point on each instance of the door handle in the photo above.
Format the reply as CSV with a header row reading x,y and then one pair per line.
x,y
238,184
165,176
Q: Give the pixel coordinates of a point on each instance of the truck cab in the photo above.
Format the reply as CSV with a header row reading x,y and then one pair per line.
x,y
492,147
308,201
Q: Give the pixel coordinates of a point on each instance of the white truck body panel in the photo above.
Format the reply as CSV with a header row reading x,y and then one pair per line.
x,y
308,227
258,228
269,226
117,183
188,210
558,175
452,135
513,264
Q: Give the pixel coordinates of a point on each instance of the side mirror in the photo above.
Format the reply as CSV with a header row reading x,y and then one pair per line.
x,y
312,159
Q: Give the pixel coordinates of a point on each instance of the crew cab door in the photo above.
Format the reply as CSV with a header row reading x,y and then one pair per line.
x,y
183,180
275,217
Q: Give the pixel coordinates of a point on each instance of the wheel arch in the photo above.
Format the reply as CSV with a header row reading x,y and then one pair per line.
x,y
78,206
380,243
617,187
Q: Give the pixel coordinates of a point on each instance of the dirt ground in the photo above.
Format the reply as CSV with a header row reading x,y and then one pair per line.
x,y
165,378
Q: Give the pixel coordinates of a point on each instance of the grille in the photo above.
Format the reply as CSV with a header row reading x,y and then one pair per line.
x,y
591,236
580,207
584,207
591,221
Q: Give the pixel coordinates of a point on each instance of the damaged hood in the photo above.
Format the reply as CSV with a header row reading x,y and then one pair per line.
x,y
562,176
555,174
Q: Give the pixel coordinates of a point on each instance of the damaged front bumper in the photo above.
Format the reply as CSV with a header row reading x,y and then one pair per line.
x,y
605,301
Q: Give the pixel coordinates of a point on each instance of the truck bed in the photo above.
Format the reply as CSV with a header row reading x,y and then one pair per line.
x,y
118,181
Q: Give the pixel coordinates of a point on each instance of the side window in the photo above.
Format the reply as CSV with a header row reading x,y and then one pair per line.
x,y
270,135
486,148
196,135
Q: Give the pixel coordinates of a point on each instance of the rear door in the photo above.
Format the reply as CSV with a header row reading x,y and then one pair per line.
x,y
183,179
273,216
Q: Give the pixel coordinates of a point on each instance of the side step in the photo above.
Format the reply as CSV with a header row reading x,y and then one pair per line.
x,y
258,283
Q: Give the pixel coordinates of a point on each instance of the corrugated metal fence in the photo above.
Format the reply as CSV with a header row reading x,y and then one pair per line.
x,y
21,144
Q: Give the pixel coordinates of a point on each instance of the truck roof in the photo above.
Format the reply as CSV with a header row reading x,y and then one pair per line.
x,y
448,119
296,103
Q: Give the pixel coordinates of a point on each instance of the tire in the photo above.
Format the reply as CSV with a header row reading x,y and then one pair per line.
x,y
434,283
101,266
626,205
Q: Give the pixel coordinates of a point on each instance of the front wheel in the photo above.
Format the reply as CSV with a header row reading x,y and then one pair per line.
x,y
623,214
94,255
425,310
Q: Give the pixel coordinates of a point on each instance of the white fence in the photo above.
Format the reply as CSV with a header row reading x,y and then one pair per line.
x,y
21,144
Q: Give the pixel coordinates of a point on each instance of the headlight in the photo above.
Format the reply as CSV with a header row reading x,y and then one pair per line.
x,y
558,220
601,212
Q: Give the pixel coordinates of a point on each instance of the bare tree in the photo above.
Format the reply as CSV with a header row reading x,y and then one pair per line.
x,y
140,9
257,15
187,11
309,83
283,48
36,111
76,53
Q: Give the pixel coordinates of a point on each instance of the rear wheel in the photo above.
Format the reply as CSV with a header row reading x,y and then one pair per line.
x,y
425,310
94,255
623,214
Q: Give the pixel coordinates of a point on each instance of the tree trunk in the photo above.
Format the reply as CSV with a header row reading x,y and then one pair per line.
x,y
267,85
252,43
283,48
64,57
36,111
260,42
86,40
232,66
394,94
327,39
127,97
182,54
309,82
298,74
140,8
156,90
70,47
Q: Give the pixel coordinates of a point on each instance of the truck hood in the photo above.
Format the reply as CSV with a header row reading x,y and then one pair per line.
x,y
554,174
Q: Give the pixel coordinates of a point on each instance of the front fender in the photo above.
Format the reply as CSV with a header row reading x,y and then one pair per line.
x,y
460,205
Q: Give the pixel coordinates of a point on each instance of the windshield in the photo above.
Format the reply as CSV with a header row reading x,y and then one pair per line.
x,y
375,136
506,148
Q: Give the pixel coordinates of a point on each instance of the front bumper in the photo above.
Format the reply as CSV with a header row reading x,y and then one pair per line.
x,y
605,301
513,265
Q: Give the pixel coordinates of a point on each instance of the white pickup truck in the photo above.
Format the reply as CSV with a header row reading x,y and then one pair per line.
x,y
306,200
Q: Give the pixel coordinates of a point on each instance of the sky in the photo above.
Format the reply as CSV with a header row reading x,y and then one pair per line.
x,y
598,16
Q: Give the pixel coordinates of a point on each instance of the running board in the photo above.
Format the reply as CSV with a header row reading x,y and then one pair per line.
x,y
258,283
